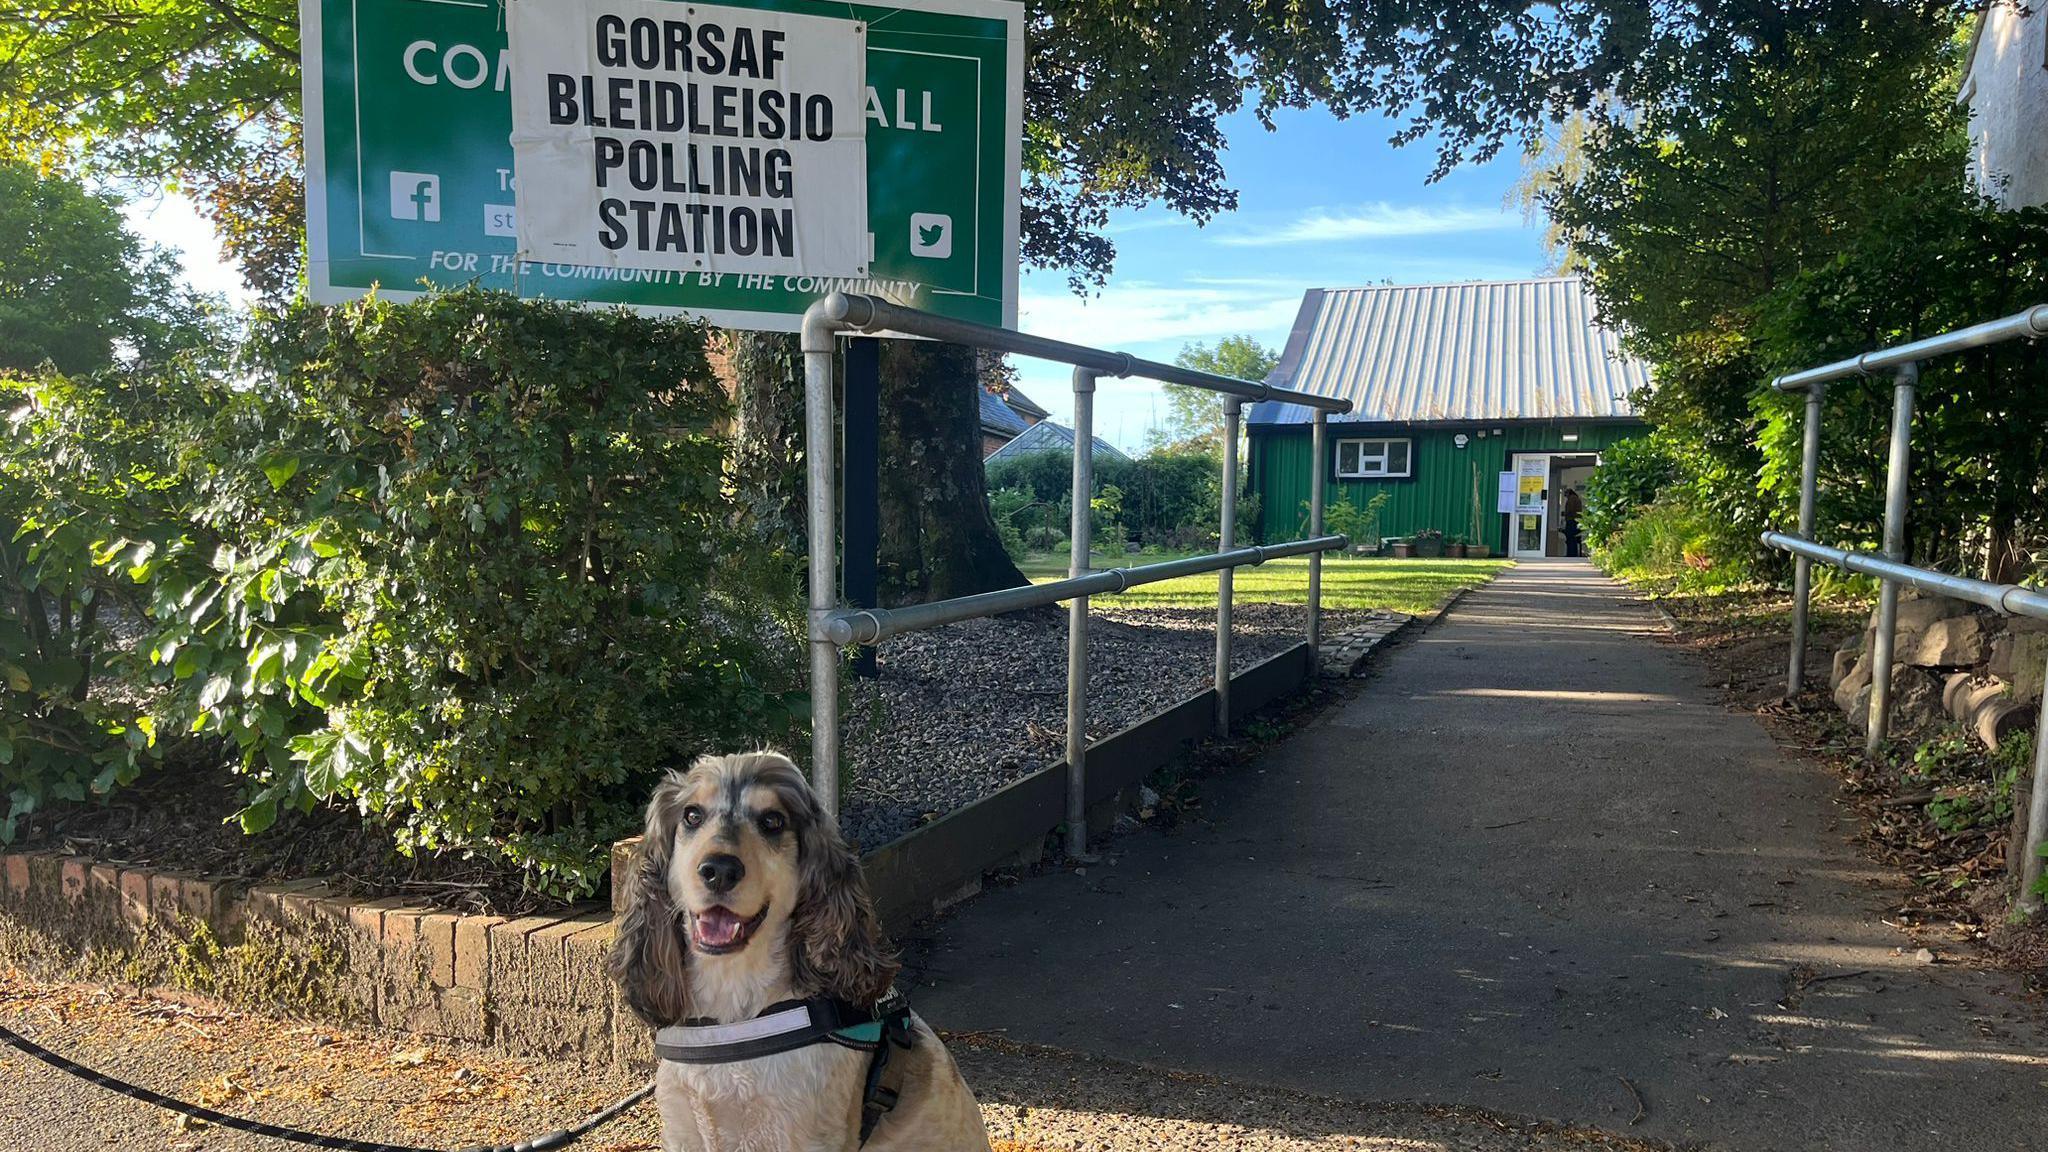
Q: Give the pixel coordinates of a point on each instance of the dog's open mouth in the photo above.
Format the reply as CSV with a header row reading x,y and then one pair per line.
x,y
720,929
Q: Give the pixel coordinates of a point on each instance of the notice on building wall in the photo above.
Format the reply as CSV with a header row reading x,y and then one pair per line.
x,y
689,138
1504,495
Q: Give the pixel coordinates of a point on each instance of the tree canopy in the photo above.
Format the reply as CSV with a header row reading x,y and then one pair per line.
x,y
1121,101
77,289
1194,417
1806,204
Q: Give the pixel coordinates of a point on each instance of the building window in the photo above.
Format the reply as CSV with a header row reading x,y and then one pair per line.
x,y
1372,459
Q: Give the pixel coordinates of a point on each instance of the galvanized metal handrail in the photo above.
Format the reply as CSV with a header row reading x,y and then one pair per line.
x,y
1903,361
2004,599
2031,324
852,312
872,625
832,626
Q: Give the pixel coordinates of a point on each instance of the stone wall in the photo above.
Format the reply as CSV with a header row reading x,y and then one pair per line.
x,y
1951,661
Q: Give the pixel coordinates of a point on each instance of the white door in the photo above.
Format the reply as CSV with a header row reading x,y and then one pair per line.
x,y
1530,526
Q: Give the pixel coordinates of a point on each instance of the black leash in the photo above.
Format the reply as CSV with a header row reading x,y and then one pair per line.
x,y
556,1139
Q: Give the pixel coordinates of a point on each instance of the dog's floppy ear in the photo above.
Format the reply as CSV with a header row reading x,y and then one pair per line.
x,y
839,948
649,957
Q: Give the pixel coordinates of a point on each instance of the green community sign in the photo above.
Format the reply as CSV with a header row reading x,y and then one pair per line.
x,y
733,161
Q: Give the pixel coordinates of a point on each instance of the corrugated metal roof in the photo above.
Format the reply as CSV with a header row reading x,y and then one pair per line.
x,y
1489,350
1046,436
999,417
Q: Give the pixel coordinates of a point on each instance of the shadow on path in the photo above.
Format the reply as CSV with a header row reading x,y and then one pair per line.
x,y
1533,868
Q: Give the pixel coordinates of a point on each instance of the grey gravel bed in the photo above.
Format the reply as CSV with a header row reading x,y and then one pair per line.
x,y
958,712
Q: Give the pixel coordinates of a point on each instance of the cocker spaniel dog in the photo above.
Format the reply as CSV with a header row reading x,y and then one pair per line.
x,y
750,943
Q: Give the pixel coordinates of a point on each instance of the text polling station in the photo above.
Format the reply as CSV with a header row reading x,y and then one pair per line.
x,y
689,137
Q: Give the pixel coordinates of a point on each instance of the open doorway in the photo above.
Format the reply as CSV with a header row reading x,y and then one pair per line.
x,y
1550,499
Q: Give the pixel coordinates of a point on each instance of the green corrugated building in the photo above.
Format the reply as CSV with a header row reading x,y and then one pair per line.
x,y
1468,400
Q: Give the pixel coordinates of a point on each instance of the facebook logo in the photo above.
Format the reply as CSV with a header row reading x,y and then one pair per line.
x,y
416,196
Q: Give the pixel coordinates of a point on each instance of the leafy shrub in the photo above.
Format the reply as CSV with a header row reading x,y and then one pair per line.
x,y
468,562
1358,523
78,467
1169,498
1630,475
1672,540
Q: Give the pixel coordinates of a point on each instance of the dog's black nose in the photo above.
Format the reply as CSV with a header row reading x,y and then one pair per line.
x,y
721,873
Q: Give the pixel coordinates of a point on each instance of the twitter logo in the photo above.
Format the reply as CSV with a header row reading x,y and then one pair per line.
x,y
931,235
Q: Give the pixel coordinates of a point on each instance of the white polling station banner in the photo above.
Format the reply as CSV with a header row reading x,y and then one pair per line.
x,y
689,137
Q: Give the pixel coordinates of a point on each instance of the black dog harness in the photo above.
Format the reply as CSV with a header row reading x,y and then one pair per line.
x,y
794,1024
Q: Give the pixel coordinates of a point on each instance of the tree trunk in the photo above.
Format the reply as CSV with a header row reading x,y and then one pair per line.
x,y
767,371
938,538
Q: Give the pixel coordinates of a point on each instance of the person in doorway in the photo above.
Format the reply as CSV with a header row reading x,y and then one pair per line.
x,y
1573,505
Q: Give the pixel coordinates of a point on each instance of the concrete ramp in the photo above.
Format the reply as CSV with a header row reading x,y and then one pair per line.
x,y
1534,868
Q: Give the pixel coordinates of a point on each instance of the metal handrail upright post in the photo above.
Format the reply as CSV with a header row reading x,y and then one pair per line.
x,y
820,343
1897,476
1802,567
1317,448
1233,408
1080,535
2031,862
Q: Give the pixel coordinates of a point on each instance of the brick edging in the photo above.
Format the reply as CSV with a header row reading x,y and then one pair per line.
x,y
532,985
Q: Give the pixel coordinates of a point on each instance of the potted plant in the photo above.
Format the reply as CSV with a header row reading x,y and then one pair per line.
x,y
1478,551
1429,543
1455,547
1404,549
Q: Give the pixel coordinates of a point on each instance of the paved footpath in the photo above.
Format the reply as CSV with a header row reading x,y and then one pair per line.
x,y
1533,868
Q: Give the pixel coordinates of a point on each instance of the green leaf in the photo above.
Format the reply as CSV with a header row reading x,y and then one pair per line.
x,y
17,678
215,691
6,751
280,470
259,815
187,662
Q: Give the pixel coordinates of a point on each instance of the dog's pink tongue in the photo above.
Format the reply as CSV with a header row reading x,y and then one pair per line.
x,y
719,927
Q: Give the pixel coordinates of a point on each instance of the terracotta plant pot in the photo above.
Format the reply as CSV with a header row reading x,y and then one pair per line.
x,y
1404,550
1455,551
1478,551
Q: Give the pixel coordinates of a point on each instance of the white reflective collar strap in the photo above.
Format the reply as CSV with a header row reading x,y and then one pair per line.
x,y
797,1019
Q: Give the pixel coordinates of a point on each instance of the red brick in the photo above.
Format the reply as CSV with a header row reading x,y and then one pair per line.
x,y
622,863
594,938
163,893
437,936
16,867
135,895
402,926
103,884
473,951
367,916
197,898
73,871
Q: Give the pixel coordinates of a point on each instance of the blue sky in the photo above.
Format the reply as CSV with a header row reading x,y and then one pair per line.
x,y
1323,203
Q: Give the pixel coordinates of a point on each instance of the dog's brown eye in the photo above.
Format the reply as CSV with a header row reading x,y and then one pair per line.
x,y
772,823
693,816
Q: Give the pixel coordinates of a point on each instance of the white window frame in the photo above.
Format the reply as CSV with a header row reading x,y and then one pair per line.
x,y
1384,444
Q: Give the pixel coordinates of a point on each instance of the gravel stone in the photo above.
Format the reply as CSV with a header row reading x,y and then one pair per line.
x,y
961,711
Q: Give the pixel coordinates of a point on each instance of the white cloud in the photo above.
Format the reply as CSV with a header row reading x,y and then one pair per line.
x,y
1380,221
1126,315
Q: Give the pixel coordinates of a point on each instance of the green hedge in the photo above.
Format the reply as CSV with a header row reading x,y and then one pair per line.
x,y
470,563
1166,499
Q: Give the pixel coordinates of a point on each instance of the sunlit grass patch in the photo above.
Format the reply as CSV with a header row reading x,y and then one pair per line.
x,y
1412,586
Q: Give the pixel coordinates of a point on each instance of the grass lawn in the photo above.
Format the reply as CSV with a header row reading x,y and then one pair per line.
x,y
1348,583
